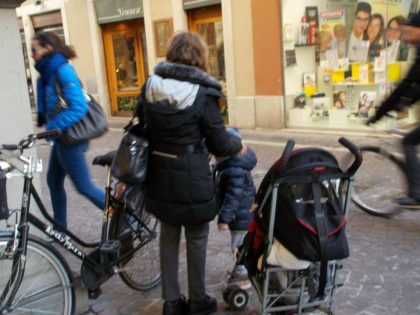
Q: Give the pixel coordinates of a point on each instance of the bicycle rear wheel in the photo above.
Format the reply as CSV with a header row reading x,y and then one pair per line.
x,y
378,182
47,284
141,269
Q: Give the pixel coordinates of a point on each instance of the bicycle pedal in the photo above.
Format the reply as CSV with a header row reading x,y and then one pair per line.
x,y
93,294
111,246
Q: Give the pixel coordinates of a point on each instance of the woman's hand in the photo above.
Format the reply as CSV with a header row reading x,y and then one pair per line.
x,y
410,33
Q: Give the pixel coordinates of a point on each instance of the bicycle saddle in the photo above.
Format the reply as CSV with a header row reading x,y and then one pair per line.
x,y
105,159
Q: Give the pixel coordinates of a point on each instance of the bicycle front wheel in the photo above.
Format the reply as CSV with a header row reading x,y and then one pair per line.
x,y
378,182
47,284
139,269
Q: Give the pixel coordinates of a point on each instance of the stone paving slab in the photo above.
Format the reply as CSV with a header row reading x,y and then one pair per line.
x,y
381,276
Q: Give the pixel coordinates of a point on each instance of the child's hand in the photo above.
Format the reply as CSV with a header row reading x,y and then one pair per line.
x,y
223,227
254,207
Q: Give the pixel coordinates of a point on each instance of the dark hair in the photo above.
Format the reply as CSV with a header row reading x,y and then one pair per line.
x,y
381,32
56,43
399,19
363,6
189,49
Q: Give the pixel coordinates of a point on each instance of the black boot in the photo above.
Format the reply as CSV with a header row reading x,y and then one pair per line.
x,y
177,307
205,306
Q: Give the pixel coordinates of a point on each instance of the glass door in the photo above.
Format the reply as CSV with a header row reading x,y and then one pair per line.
x,y
207,22
125,51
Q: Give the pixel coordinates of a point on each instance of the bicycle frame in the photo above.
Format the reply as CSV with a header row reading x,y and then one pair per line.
x,y
59,234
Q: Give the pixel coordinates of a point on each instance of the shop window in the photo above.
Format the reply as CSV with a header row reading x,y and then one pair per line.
x,y
207,22
342,59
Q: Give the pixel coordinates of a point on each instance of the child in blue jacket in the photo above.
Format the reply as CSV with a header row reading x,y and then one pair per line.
x,y
235,191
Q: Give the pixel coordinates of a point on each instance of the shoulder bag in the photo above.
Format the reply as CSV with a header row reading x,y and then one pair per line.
x,y
90,126
130,161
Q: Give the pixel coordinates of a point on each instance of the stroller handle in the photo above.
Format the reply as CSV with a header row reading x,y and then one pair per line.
x,y
281,163
358,156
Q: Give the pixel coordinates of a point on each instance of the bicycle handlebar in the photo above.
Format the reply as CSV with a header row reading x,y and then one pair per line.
x,y
358,156
28,141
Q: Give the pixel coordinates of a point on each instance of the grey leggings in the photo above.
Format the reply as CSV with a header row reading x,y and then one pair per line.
x,y
196,238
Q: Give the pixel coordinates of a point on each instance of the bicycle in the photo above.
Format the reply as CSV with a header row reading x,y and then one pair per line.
x,y
369,194
34,276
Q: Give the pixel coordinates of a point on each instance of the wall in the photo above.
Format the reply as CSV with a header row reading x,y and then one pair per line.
x,y
268,63
76,21
238,46
15,118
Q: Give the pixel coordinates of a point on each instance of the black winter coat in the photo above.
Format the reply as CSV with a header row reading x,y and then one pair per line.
x,y
180,108
236,190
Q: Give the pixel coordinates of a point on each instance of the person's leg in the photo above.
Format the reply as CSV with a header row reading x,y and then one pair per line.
x,y
175,303
55,180
197,238
410,142
169,252
240,276
237,237
73,160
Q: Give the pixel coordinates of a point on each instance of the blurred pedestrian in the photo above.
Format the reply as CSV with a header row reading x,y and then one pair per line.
x,y
59,78
406,94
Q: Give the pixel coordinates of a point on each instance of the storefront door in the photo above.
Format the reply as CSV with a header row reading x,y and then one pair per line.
x,y
125,53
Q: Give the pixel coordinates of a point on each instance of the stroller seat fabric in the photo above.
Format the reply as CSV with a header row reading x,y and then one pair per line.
x,y
281,256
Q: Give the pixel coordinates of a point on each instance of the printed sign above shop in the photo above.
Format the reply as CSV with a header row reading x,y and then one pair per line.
x,y
192,4
108,11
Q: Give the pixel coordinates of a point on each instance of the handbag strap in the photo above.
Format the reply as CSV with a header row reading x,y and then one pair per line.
x,y
322,235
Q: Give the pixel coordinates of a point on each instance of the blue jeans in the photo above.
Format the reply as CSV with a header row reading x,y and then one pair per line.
x,y
70,160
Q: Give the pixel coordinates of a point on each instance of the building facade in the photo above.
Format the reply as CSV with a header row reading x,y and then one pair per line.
x,y
274,77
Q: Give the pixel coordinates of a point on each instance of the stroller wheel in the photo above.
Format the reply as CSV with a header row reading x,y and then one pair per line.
x,y
226,293
238,299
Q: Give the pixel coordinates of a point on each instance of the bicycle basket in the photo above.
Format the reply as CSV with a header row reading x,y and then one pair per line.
x,y
4,209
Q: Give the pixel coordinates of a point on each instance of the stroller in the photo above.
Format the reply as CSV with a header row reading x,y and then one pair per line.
x,y
295,244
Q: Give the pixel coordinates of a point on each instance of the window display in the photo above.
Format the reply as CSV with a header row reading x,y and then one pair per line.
x,y
348,56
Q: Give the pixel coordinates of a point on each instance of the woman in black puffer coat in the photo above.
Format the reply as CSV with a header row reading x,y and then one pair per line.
x,y
179,106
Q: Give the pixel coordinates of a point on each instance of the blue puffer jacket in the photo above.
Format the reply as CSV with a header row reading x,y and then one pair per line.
x,y
54,68
235,190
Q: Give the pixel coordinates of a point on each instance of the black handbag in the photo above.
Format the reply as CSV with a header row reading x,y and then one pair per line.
x,y
91,126
130,161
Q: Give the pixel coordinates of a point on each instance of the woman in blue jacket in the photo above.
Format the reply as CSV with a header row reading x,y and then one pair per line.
x,y
51,57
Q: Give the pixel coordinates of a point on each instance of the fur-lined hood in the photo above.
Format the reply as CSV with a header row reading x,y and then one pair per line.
x,y
176,85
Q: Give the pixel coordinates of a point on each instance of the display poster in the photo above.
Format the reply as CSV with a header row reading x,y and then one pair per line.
x,y
389,8
332,35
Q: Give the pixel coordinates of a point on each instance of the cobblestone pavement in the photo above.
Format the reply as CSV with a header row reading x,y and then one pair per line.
x,y
381,276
